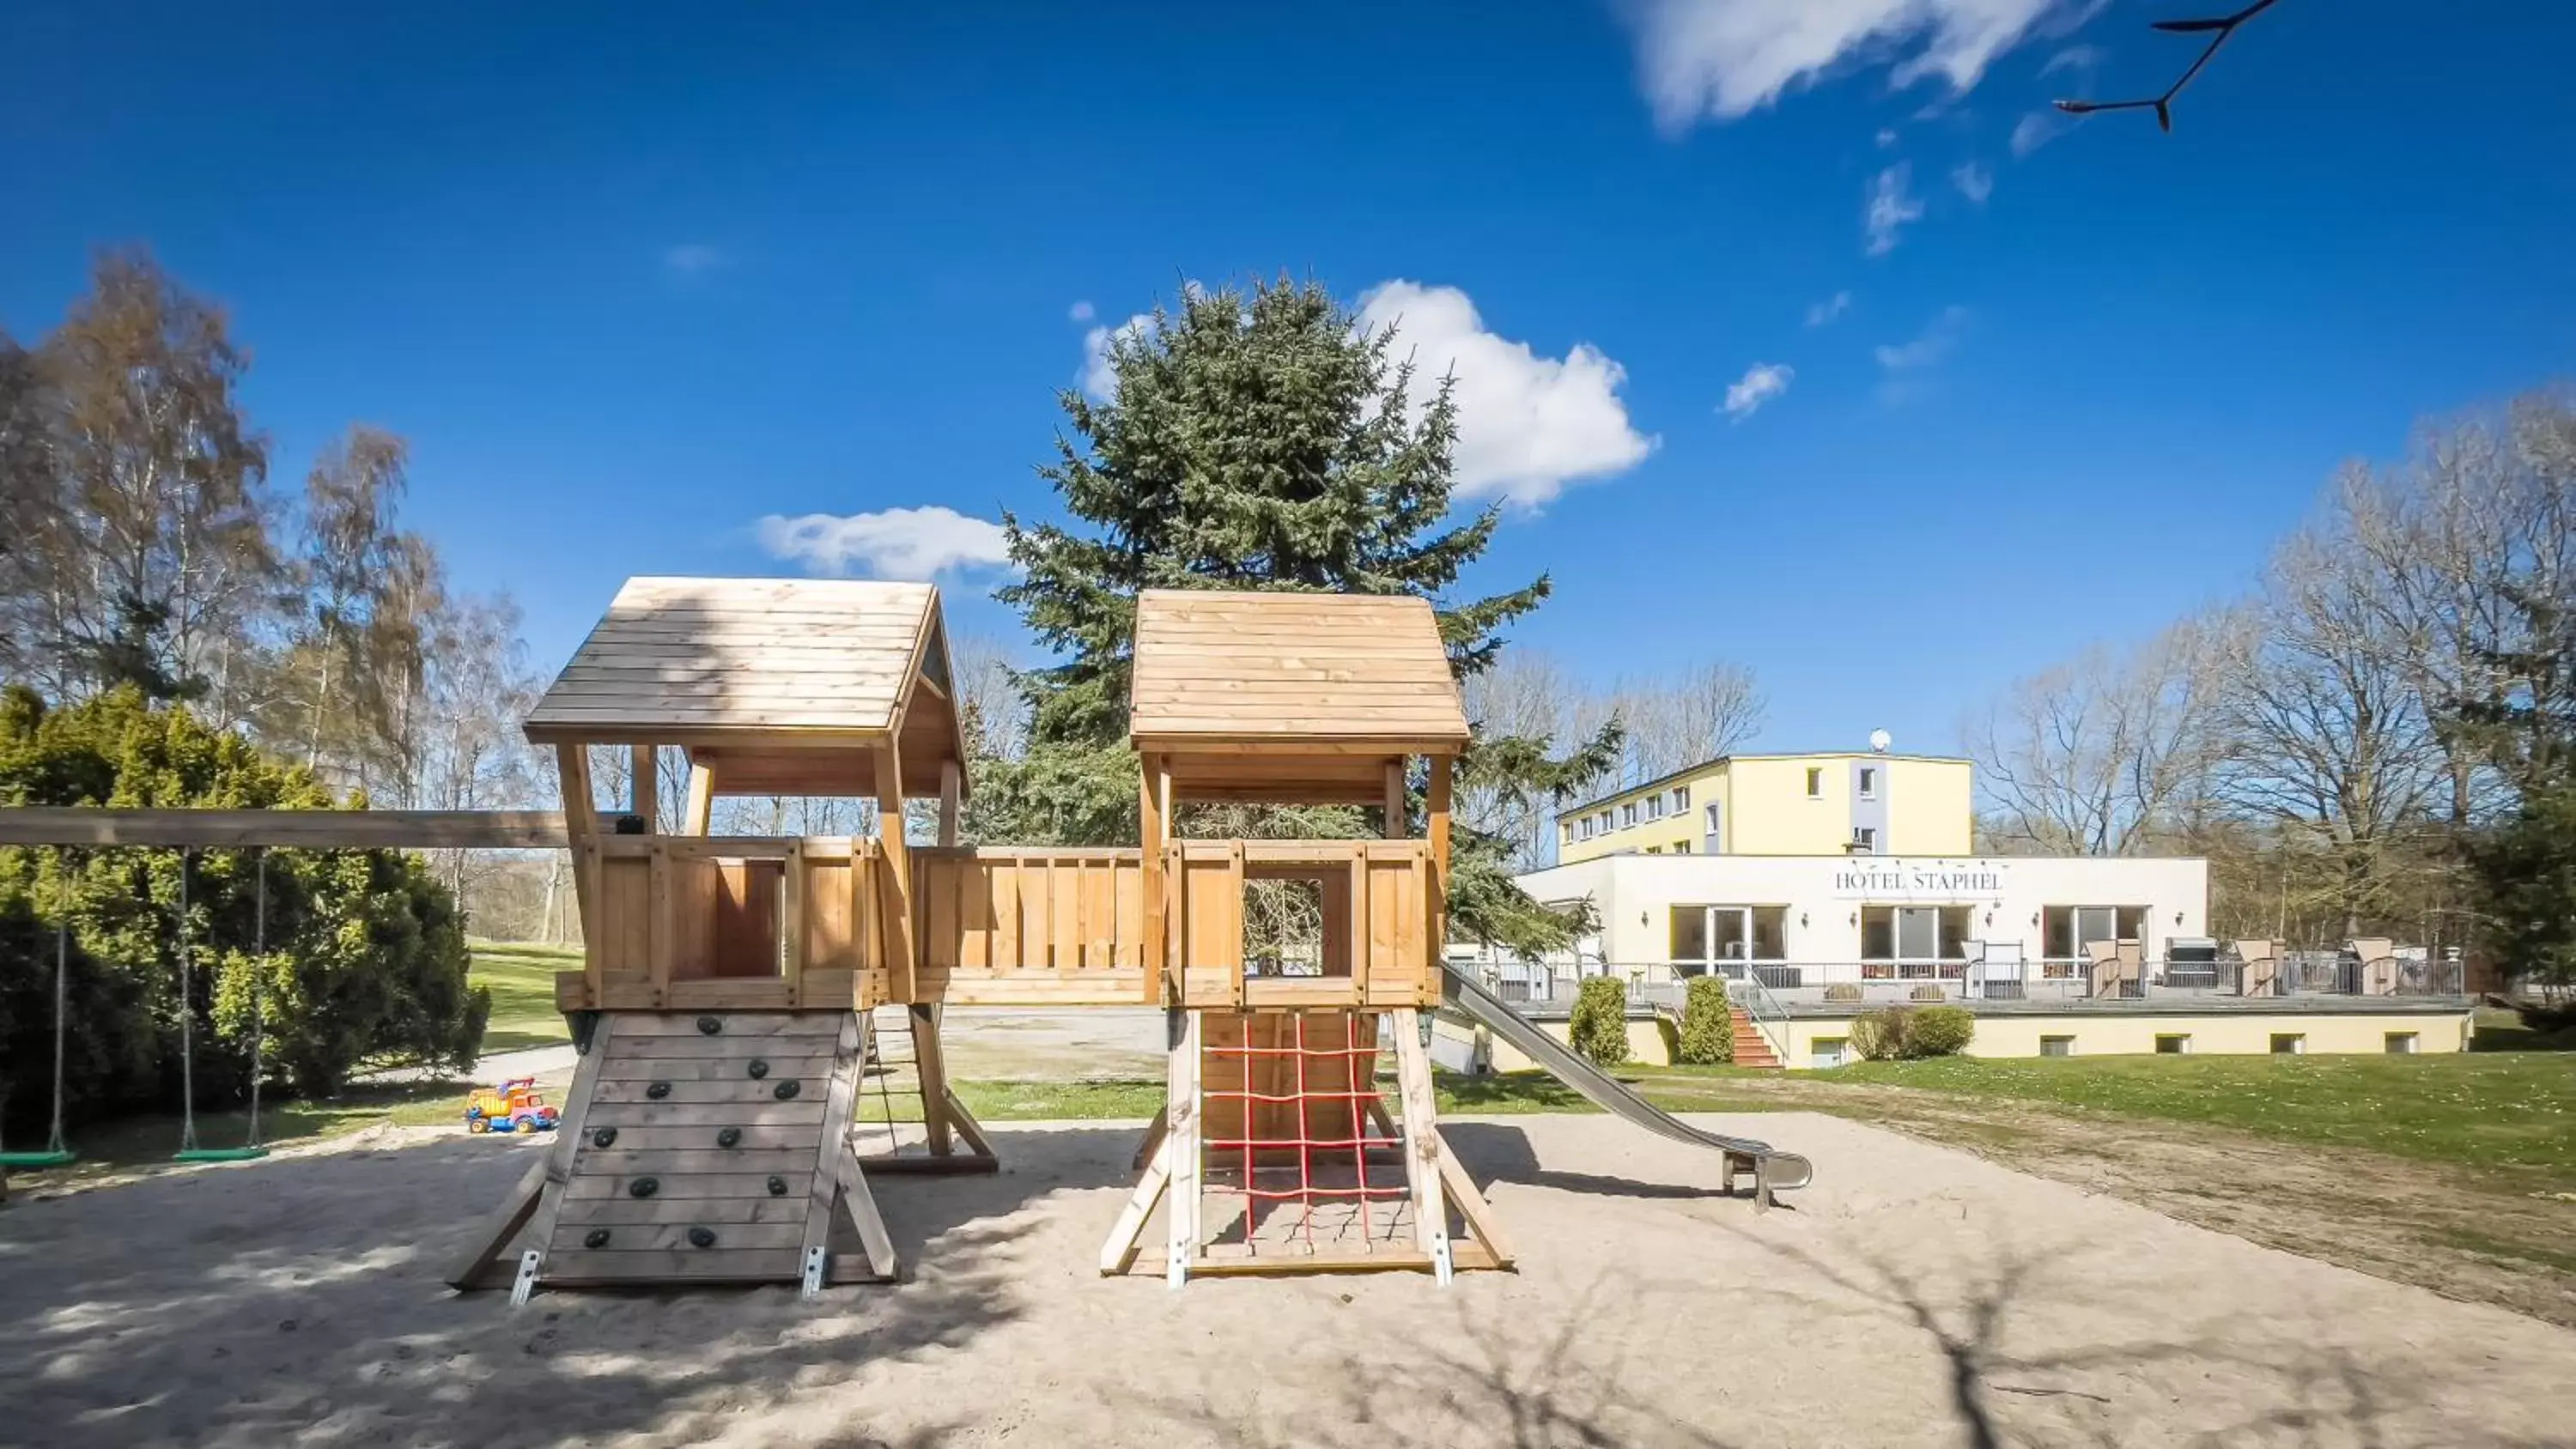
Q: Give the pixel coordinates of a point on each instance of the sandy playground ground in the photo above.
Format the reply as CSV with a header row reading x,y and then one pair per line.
x,y
1916,1295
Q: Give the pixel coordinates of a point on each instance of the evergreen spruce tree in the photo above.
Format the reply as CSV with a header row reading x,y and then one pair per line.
x,y
1255,440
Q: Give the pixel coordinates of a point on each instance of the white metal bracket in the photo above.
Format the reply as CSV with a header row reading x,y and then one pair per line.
x,y
812,1285
526,1283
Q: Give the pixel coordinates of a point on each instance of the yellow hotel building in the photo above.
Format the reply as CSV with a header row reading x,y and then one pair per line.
x,y
1833,803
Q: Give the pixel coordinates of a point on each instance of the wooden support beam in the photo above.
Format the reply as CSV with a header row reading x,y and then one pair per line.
x,y
933,1071
836,1167
500,1226
1422,1138
1398,826
644,788
1181,1144
1153,799
568,1130
700,814
87,825
581,834
902,963
1119,1250
952,791
1436,813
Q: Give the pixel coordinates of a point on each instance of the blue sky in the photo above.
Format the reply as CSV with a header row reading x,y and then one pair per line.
x,y
634,278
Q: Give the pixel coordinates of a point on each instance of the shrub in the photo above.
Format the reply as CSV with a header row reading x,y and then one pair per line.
x,y
1842,991
1939,1031
1600,1025
1708,1024
1878,1035
366,952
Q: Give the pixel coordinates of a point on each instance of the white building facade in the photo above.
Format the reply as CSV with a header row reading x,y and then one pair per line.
x,y
1808,920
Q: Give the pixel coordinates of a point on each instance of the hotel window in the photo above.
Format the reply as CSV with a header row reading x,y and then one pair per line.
x,y
2057,1046
1627,814
2403,1043
2289,1044
1604,818
1915,942
1715,841
1655,806
1868,782
1681,798
1681,847
1829,1051
2173,1044
1815,784
1704,937
2065,929
1565,832
1864,840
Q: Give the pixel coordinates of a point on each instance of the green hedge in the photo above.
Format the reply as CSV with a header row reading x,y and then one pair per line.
x,y
1600,1025
1708,1025
1910,1033
366,951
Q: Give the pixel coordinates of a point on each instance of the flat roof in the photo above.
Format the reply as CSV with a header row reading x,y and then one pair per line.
x,y
1657,783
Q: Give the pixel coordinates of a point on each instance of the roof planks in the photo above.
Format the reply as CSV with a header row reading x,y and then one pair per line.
x,y
712,656
1292,669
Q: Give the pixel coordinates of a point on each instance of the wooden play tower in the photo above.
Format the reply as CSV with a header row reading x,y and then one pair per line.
x,y
1276,1151
726,1003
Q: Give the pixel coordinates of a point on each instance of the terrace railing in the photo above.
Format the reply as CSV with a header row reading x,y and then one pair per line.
x,y
1781,985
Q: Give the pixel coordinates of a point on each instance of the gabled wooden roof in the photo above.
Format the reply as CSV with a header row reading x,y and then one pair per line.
x,y
1288,670
738,668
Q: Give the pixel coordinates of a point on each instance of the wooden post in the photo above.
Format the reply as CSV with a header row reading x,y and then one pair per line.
x,y
900,966
1422,1138
701,812
661,940
644,791
581,831
568,1128
952,792
791,923
932,1069
1181,1145
1151,798
1436,889
1397,825
1436,812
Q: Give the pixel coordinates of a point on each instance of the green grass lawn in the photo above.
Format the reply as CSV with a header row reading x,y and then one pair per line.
x,y
522,978
130,1143
2508,1111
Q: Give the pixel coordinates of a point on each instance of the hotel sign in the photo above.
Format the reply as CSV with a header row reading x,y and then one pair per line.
x,y
1919,883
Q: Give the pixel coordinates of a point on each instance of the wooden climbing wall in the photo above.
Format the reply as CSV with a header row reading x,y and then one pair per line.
x,y
701,1156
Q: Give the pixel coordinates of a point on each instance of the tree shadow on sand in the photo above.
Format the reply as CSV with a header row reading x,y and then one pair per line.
x,y
299,1300
2314,1392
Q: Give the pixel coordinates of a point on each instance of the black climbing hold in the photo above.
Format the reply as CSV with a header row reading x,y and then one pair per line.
x,y
758,1069
644,1187
603,1137
778,1187
786,1090
658,1091
702,1237
710,1025
728,1137
595,1238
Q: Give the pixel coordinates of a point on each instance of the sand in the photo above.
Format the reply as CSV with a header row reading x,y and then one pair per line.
x,y
1914,1296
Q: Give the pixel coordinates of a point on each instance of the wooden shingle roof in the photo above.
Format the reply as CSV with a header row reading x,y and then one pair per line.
x,y
680,658
1285,669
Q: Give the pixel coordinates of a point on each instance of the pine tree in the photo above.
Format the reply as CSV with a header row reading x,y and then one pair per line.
x,y
1254,440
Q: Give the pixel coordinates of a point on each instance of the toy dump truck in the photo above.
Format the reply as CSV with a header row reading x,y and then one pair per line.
x,y
513,1106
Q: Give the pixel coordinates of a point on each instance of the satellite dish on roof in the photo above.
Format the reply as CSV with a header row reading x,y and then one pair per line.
x,y
1879,740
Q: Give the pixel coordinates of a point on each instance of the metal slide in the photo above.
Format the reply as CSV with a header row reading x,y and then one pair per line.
x,y
1773,1170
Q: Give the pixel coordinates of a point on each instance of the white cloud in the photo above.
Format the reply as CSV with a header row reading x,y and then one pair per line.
x,y
1886,137
1099,374
1080,312
2036,130
1974,181
1826,311
1761,382
1891,207
690,258
1724,58
1527,425
898,543
2077,58
1928,347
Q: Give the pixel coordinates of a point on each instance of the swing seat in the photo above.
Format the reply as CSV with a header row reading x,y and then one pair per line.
x,y
219,1154
35,1159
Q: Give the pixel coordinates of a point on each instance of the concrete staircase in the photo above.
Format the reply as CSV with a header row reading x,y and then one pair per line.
x,y
1752,1049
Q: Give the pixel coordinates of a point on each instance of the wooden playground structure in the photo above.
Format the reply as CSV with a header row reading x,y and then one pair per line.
x,y
728,1004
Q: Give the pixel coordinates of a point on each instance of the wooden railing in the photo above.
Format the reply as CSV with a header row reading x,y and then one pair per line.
x,y
1378,903
701,923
